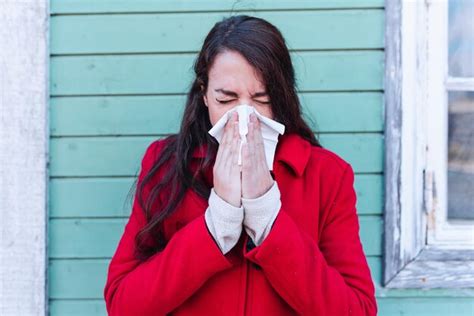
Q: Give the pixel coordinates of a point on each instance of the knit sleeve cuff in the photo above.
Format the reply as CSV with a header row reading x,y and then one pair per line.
x,y
224,221
260,213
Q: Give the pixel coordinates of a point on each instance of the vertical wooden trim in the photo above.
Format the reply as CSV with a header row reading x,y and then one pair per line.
x,y
393,96
24,138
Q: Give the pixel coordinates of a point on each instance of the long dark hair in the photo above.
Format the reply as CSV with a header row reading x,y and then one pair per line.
x,y
263,46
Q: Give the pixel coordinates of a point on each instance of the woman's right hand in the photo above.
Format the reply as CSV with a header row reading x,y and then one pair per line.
x,y
227,176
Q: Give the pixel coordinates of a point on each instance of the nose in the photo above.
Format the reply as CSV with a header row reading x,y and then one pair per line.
x,y
247,101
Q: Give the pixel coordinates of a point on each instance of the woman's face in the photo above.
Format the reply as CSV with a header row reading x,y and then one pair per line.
x,y
234,81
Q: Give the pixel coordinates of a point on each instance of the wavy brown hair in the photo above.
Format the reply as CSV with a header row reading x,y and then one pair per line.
x,y
264,47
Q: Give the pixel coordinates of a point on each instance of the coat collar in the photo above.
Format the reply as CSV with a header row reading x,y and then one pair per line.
x,y
292,149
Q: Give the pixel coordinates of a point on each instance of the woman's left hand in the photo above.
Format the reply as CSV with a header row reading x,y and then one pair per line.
x,y
256,177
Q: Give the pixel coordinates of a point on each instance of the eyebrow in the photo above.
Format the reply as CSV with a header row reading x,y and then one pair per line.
x,y
233,94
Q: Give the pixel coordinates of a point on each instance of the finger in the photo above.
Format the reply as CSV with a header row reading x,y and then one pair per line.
x,y
256,147
245,150
228,129
220,150
236,145
226,142
251,141
245,156
231,162
259,144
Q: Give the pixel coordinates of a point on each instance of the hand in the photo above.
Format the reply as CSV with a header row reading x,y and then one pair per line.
x,y
227,182
256,177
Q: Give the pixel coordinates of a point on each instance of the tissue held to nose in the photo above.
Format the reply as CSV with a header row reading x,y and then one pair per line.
x,y
270,130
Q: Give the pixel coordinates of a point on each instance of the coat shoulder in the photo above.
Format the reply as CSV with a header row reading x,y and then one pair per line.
x,y
335,182
155,147
326,160
152,152
326,166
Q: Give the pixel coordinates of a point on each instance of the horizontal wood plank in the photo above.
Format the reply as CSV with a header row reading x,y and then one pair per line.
x,y
161,33
97,156
363,151
98,238
113,197
133,6
172,74
388,306
77,307
143,115
85,279
426,306
121,156
91,197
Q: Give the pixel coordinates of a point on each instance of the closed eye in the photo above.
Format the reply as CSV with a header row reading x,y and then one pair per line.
x,y
228,101
224,102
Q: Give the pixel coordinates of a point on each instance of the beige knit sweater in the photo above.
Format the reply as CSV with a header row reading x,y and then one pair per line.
x,y
256,216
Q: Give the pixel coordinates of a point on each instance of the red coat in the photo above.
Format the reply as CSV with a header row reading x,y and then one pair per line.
x,y
311,263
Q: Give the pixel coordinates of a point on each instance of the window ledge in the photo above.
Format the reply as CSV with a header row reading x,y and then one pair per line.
x,y
436,267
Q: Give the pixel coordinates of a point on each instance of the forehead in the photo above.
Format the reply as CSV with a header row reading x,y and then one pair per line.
x,y
230,70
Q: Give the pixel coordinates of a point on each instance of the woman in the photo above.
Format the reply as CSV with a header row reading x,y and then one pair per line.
x,y
209,237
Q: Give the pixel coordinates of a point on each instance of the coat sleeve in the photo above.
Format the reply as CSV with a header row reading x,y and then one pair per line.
x,y
165,280
331,277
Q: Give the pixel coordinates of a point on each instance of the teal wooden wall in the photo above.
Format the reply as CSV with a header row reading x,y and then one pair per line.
x,y
119,72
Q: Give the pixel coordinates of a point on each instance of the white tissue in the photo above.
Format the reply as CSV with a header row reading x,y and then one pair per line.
x,y
270,130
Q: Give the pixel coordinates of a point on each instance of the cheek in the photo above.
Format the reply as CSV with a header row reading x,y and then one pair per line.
x,y
266,111
215,113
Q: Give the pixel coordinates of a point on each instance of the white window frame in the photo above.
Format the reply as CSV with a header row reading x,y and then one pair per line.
x,y
441,231
413,188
